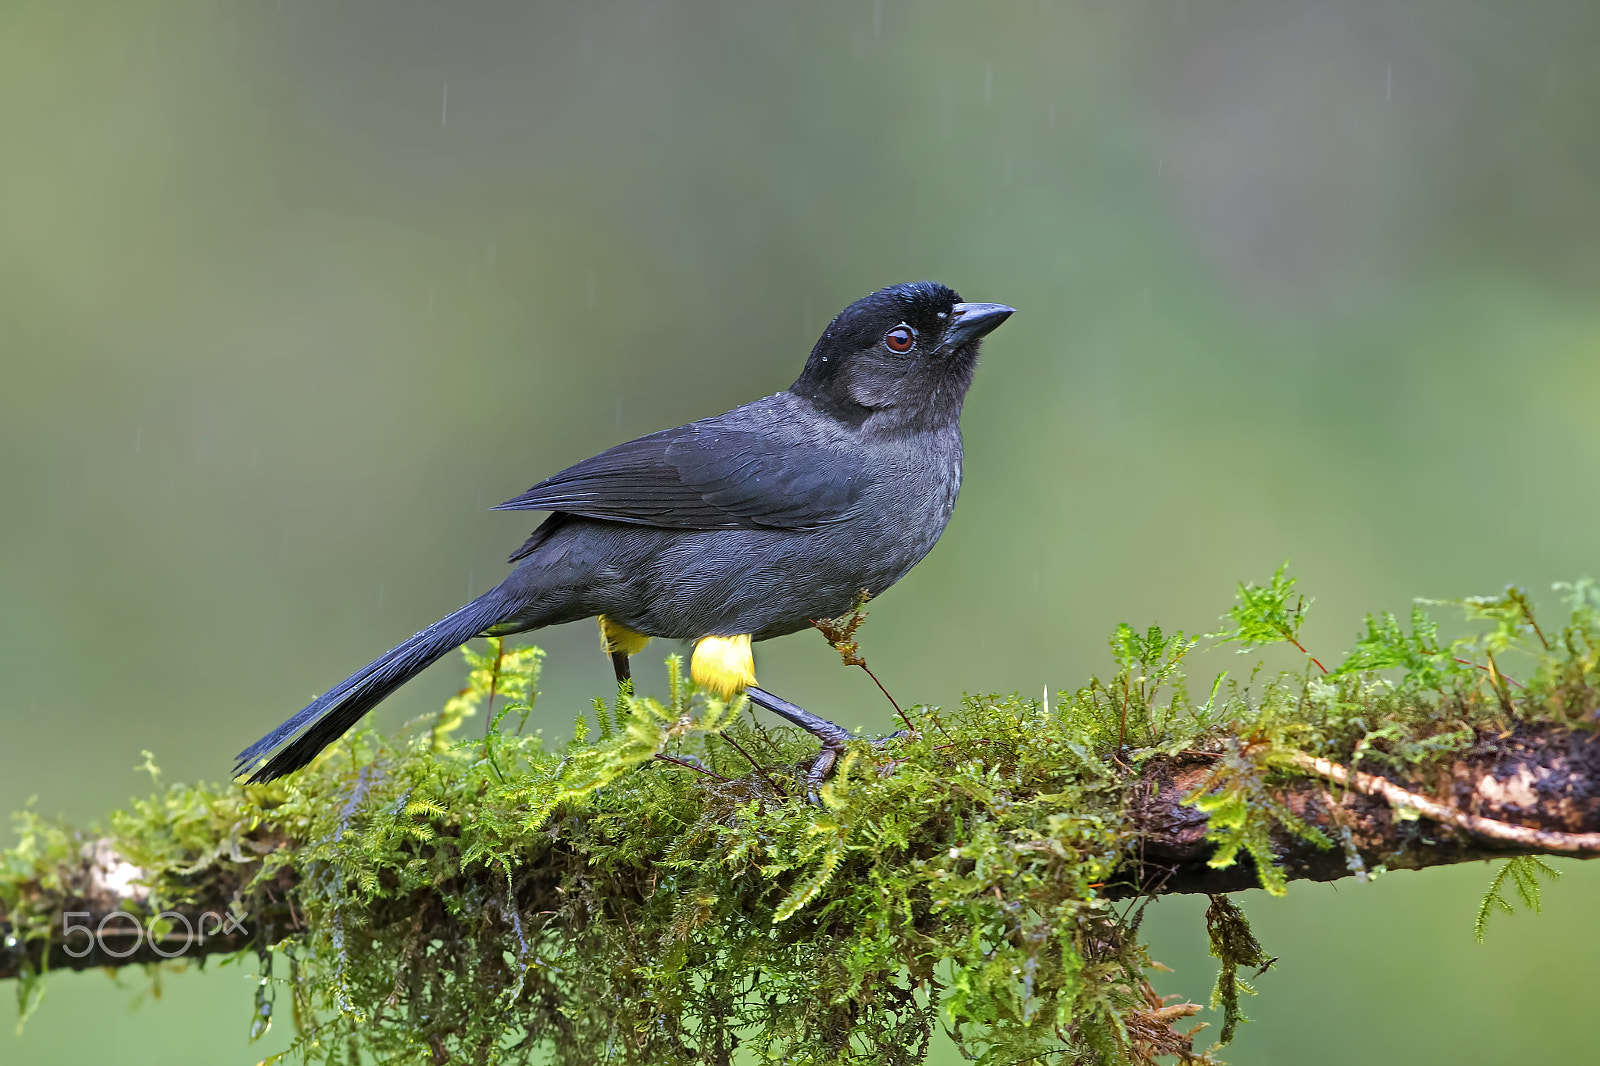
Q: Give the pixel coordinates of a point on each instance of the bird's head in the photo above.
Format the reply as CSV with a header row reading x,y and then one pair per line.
x,y
910,349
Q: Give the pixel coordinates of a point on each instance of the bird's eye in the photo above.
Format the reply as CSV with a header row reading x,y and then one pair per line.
x,y
901,338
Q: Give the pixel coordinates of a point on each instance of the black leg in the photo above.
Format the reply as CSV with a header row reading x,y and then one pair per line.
x,y
619,663
831,737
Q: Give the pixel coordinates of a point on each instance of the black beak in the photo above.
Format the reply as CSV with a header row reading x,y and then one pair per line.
x,y
973,321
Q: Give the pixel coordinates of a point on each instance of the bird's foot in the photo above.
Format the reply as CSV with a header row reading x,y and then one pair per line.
x,y
833,738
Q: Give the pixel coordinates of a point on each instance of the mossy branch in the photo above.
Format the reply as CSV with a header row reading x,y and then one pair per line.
x,y
1542,783
648,897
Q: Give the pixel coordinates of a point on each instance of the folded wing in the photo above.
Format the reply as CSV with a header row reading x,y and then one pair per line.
x,y
705,476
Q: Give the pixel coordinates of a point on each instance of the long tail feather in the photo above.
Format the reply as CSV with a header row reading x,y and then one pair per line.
x,y
328,717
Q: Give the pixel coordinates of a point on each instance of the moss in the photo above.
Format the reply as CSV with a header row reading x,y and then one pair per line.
x,y
639,895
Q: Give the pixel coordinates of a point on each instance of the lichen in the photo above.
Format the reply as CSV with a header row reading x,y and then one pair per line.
x,y
642,894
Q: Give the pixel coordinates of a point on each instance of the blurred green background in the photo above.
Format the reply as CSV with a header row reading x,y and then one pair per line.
x,y
291,292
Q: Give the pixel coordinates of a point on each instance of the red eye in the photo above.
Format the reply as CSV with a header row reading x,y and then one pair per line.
x,y
900,339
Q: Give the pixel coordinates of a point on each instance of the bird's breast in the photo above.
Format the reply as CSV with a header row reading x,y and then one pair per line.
x,y
906,511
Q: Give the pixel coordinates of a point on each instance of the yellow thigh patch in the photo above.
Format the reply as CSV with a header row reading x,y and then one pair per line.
x,y
723,665
615,638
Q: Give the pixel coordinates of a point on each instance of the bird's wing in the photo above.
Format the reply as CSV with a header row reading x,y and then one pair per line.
x,y
705,476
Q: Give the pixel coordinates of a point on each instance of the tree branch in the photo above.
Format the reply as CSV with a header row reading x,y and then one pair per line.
x,y
1541,782
1541,779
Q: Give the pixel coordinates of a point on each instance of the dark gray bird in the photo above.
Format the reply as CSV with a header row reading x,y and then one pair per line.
x,y
735,528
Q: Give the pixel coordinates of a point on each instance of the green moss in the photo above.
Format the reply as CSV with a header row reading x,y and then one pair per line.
x,y
639,895
1523,874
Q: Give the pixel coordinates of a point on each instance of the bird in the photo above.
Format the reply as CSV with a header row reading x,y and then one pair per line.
x,y
734,529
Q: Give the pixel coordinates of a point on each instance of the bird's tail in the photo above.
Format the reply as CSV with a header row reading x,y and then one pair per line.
x,y
327,717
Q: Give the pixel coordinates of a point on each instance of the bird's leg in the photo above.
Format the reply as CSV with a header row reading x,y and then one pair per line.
x,y
620,642
725,666
832,737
